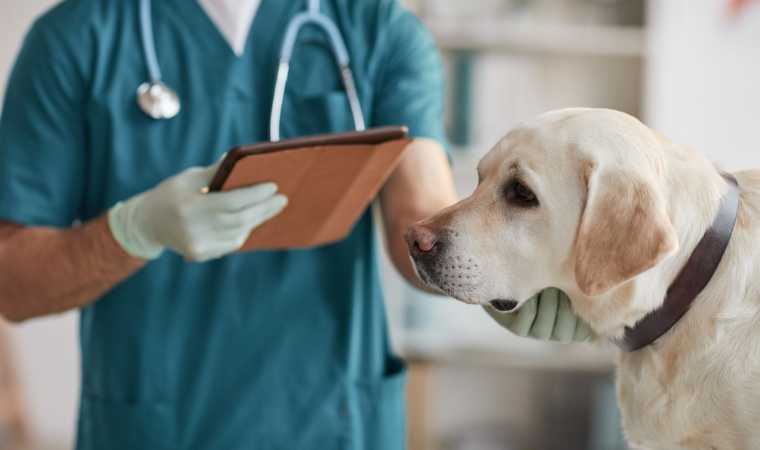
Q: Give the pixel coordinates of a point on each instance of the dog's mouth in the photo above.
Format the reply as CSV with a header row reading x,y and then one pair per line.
x,y
503,305
454,290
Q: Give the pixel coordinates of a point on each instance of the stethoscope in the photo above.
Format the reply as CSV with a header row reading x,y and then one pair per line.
x,y
159,101
155,98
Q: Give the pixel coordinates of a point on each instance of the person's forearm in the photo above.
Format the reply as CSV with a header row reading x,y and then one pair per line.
x,y
48,270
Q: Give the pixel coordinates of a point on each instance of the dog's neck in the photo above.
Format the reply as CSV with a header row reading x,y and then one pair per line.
x,y
692,278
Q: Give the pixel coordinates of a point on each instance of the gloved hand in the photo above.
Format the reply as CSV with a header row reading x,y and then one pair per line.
x,y
176,215
547,316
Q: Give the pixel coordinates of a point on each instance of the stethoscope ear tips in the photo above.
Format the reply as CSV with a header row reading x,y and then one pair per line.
x,y
158,100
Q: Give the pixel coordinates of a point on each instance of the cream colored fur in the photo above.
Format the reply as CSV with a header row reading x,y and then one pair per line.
x,y
698,387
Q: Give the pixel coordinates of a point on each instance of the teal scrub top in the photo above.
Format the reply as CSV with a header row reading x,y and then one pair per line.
x,y
266,350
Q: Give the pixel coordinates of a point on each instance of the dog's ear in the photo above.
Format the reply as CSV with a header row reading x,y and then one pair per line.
x,y
624,230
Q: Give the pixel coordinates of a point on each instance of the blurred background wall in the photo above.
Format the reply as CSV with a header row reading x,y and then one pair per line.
x,y
689,69
702,77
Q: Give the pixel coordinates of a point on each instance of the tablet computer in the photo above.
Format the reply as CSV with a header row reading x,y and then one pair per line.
x,y
330,180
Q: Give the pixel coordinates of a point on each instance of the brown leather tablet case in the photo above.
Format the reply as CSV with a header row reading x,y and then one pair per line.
x,y
330,181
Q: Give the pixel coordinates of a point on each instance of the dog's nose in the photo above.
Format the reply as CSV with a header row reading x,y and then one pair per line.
x,y
421,239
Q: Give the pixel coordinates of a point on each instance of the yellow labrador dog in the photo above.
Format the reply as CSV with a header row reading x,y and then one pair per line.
x,y
624,221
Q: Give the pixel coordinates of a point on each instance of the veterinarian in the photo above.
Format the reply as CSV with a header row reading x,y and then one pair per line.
x,y
109,130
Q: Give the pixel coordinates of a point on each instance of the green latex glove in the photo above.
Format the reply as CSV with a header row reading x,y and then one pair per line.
x,y
176,215
547,316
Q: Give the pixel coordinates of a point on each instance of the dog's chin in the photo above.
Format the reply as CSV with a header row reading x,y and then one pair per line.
x,y
502,305
463,293
443,287
448,291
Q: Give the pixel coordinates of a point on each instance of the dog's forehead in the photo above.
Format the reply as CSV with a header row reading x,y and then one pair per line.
x,y
567,135
528,146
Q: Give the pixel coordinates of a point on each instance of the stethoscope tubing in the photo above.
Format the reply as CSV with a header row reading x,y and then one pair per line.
x,y
310,17
148,41
338,47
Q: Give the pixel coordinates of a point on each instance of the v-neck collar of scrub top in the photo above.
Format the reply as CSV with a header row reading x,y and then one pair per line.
x,y
199,19
233,18
266,29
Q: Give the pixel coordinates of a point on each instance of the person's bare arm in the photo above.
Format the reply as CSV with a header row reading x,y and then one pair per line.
x,y
420,186
50,270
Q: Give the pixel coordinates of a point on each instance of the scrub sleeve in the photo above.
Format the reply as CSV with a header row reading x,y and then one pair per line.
x,y
410,80
42,133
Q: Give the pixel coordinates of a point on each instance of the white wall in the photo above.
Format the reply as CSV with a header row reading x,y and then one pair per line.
x,y
46,350
703,78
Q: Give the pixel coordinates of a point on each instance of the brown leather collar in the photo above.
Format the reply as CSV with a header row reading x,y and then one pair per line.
x,y
693,277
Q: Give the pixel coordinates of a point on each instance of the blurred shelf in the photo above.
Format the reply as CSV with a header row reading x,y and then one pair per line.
x,y
512,35
518,353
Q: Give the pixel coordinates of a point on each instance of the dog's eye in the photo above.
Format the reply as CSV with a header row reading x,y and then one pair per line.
x,y
518,194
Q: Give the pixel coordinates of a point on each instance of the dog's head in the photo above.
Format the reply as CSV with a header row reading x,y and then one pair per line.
x,y
572,199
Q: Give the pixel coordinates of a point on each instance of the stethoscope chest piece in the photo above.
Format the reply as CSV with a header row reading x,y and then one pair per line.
x,y
158,100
